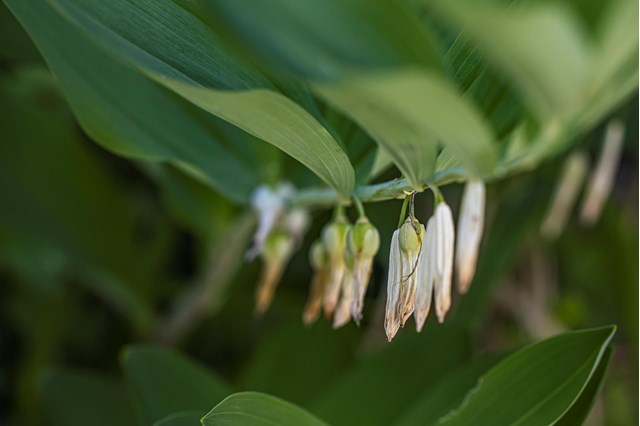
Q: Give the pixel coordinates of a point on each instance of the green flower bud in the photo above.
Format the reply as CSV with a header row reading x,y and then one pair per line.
x,y
363,239
410,240
278,245
318,256
334,237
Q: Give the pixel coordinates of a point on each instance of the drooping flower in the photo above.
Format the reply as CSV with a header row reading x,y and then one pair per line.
x,y
426,268
406,245
334,237
363,242
470,227
565,195
268,203
275,253
443,258
319,259
604,175
343,311
391,317
410,239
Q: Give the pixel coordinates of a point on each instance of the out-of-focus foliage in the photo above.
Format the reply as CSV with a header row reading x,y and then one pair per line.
x,y
130,149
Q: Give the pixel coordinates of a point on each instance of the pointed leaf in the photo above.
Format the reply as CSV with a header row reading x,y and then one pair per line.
x,y
536,385
177,50
258,409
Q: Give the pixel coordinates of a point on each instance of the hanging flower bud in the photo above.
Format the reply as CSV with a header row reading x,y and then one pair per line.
x,y
410,239
319,259
470,226
404,255
334,237
426,268
268,204
363,243
443,259
343,311
276,252
391,317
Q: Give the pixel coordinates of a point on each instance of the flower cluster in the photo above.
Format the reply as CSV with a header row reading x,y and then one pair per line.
x,y
342,262
421,259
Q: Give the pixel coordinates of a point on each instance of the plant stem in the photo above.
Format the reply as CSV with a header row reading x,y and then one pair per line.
x,y
389,190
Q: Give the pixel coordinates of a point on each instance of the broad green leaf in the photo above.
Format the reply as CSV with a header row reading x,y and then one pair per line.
x,y
407,112
135,117
183,418
325,39
538,46
580,409
165,382
177,50
258,409
537,384
379,388
74,398
448,393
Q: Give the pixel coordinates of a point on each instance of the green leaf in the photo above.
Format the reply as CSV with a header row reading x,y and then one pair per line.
x,y
580,410
406,112
537,384
183,418
381,387
165,382
178,51
74,398
448,393
325,39
135,117
538,46
256,409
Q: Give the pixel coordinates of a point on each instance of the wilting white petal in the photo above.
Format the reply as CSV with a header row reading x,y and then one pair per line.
x,y
470,226
343,312
569,184
424,286
410,264
363,243
603,178
314,303
443,259
334,237
362,272
391,318
276,254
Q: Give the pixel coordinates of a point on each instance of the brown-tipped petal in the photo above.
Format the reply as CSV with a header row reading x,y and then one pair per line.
x,y
391,319
276,253
443,259
424,289
362,271
343,312
332,289
470,226
314,303
408,288
270,277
